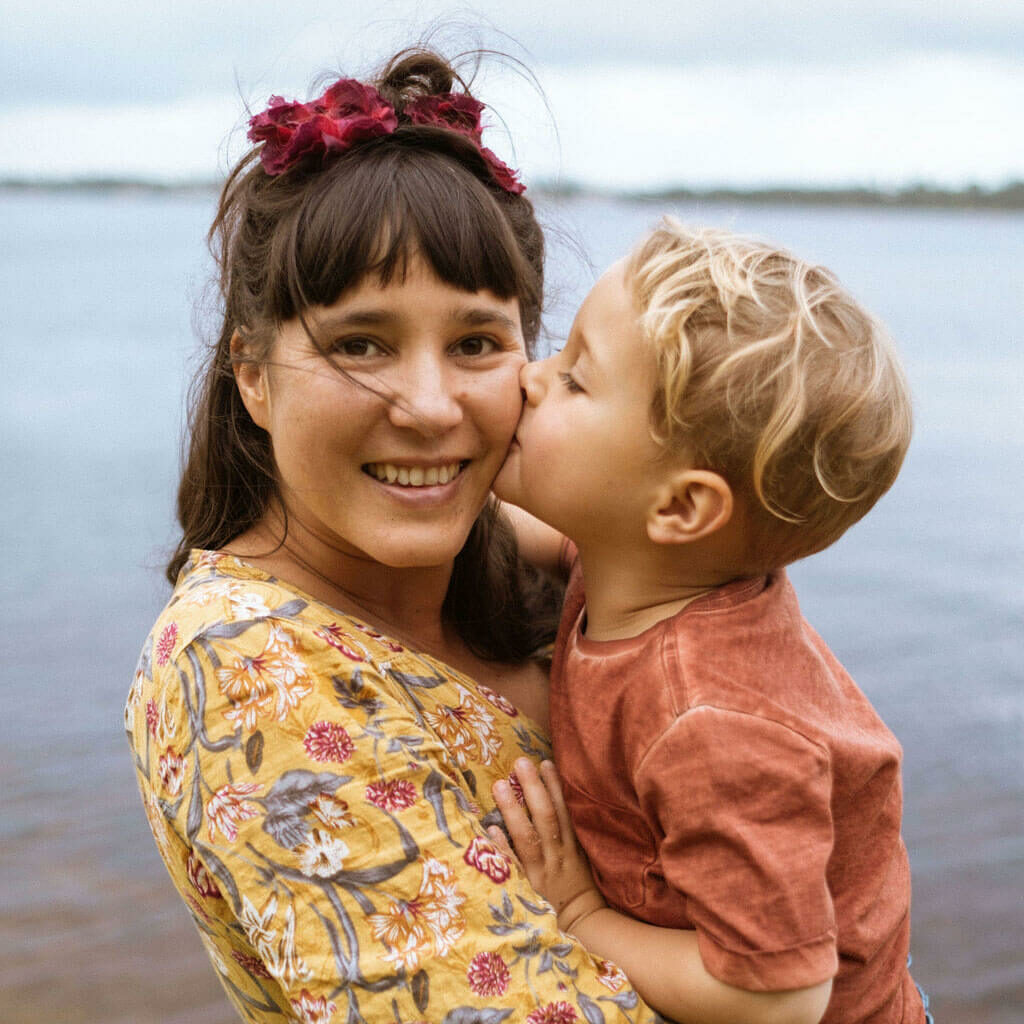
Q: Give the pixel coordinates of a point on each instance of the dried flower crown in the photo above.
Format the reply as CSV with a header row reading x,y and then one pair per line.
x,y
350,112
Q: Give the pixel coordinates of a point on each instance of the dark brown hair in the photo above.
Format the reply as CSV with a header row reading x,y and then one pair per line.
x,y
302,238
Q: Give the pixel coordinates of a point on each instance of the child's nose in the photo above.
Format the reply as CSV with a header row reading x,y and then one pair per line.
x,y
531,380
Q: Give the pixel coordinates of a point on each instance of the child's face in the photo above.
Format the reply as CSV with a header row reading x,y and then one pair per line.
x,y
583,458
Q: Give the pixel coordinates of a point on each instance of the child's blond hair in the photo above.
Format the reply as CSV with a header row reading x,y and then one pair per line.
x,y
771,375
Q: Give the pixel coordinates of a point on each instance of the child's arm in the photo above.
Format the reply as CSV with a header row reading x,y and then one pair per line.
x,y
539,544
664,964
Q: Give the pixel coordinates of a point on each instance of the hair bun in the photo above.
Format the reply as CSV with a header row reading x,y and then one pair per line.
x,y
414,73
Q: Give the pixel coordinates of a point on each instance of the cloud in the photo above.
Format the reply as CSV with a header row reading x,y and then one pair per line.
x,y
939,119
122,50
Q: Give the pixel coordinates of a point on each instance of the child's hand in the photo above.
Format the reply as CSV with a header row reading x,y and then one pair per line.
x,y
545,843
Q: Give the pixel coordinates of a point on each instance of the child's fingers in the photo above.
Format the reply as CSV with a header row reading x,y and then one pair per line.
x,y
517,821
550,776
538,801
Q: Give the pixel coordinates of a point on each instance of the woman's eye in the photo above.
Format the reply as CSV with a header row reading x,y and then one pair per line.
x,y
569,382
474,346
356,347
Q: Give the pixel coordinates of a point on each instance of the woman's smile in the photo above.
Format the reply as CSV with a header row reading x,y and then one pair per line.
x,y
416,475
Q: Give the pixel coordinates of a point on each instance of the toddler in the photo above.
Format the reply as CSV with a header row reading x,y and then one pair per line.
x,y
721,409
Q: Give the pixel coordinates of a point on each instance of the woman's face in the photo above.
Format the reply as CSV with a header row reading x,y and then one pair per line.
x,y
394,457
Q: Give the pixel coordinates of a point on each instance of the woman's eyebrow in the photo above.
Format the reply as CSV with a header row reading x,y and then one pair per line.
x,y
356,318
478,317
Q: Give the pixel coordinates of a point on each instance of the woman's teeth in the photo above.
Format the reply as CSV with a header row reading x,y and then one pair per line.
x,y
413,476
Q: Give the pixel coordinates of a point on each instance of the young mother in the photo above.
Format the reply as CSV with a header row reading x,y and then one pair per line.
x,y
347,662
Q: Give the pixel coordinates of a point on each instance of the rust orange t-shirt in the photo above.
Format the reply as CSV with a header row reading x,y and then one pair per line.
x,y
725,774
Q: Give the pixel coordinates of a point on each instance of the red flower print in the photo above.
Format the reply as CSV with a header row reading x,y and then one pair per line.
x,y
501,703
517,789
488,975
200,878
488,860
152,717
611,976
252,964
171,770
552,1013
336,637
165,644
395,648
229,807
328,741
312,1009
395,795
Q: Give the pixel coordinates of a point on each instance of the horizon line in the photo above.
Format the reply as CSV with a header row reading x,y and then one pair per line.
x,y
916,194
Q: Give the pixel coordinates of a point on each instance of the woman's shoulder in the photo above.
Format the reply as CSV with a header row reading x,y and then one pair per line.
x,y
256,644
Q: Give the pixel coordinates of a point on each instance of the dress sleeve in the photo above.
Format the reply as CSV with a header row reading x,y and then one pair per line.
x,y
743,807
342,850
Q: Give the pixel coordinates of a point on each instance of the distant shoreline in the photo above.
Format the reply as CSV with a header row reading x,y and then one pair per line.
x,y
974,197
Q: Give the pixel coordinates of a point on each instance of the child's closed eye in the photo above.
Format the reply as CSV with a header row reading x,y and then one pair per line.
x,y
570,382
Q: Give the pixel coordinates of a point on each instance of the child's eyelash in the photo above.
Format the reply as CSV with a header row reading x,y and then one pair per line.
x,y
570,384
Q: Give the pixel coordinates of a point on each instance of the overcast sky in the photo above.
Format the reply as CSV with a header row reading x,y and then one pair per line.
x,y
641,95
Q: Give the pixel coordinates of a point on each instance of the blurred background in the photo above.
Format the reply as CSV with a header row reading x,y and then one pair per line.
x,y
883,139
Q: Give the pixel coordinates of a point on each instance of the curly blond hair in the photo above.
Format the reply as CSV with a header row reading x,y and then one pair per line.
x,y
770,374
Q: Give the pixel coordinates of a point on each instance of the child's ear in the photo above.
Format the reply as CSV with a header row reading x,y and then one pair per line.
x,y
251,379
692,504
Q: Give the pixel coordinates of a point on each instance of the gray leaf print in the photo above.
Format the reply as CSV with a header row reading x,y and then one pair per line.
x,y
289,801
471,1015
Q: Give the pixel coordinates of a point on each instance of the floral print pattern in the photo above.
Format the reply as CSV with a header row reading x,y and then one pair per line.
x,y
320,794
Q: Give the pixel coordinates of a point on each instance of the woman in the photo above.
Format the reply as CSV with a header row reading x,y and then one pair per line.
x,y
346,663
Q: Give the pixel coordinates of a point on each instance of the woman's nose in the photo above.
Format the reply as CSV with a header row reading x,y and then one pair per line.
x,y
426,401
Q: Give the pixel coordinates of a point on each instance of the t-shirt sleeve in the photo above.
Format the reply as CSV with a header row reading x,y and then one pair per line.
x,y
331,852
743,808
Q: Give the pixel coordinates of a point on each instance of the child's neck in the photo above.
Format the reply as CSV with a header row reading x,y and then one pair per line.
x,y
628,595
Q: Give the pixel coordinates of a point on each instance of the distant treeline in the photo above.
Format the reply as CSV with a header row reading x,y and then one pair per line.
x,y
975,197
1008,197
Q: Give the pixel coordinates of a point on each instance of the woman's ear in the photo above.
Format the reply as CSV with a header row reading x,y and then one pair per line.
x,y
692,504
251,379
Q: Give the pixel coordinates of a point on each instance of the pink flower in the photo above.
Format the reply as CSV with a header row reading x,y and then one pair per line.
x,y
395,795
501,703
200,878
165,644
488,975
611,976
488,860
328,741
552,1013
228,808
252,964
152,717
348,112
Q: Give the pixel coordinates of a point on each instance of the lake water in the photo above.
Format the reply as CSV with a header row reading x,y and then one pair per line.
x,y
923,601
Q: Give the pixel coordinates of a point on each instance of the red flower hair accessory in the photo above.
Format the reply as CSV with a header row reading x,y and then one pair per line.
x,y
461,113
350,112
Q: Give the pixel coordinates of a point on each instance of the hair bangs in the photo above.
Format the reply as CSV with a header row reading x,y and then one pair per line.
x,y
381,211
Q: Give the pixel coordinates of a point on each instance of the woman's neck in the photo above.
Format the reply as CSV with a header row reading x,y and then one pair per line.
x,y
403,602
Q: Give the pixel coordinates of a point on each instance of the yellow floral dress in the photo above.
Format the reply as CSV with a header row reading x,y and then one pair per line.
x,y
319,795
